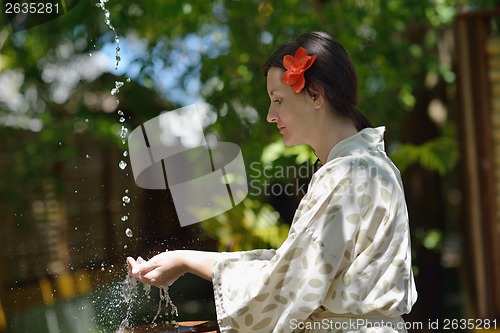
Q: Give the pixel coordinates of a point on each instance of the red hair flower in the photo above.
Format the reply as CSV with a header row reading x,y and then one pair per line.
x,y
295,68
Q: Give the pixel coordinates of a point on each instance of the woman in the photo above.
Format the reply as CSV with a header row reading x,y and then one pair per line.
x,y
346,263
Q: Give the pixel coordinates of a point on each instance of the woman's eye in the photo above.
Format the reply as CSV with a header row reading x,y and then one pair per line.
x,y
277,101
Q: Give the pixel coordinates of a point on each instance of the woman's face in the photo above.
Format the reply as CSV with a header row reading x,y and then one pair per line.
x,y
293,113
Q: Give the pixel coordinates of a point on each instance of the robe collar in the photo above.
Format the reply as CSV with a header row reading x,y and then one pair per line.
x,y
367,138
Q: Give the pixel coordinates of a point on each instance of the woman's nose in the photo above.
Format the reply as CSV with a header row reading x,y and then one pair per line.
x,y
272,115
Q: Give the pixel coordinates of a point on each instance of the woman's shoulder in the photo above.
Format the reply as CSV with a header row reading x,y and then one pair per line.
x,y
356,166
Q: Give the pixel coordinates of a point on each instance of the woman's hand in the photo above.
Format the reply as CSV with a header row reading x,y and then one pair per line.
x,y
160,271
165,268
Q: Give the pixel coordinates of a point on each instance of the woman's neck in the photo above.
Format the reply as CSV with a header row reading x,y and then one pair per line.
x,y
331,133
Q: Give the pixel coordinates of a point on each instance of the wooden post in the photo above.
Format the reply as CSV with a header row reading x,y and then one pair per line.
x,y
478,128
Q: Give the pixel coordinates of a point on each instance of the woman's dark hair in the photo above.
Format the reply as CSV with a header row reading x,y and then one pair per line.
x,y
333,71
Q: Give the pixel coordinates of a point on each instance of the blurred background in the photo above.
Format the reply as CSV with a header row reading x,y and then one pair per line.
x,y
76,80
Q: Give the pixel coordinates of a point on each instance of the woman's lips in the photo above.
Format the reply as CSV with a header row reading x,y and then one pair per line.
x,y
281,128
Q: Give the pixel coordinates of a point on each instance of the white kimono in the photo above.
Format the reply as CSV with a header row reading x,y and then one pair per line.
x,y
346,263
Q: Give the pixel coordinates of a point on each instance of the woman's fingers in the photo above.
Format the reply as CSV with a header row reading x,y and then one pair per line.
x,y
139,269
133,266
136,269
161,270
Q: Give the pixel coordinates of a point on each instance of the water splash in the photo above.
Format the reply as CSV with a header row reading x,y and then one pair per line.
x,y
165,296
129,233
130,291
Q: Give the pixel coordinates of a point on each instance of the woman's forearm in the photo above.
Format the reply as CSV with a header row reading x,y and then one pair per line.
x,y
198,262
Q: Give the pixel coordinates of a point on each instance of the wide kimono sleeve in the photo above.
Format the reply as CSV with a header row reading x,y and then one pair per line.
x,y
268,295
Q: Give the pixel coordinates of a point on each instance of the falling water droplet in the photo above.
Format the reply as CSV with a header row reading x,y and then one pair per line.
x,y
122,119
129,232
120,113
125,153
116,89
122,165
126,190
126,199
124,218
128,79
123,132
87,156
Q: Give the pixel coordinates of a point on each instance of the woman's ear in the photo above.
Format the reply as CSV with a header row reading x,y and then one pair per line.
x,y
317,95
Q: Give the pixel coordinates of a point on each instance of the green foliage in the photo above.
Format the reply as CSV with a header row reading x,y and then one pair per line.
x,y
277,149
392,43
439,154
248,226
210,50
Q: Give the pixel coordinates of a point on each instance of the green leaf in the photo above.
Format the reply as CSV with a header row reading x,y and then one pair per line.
x,y
439,154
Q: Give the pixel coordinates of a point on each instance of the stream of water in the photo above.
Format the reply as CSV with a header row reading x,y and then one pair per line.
x,y
130,284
